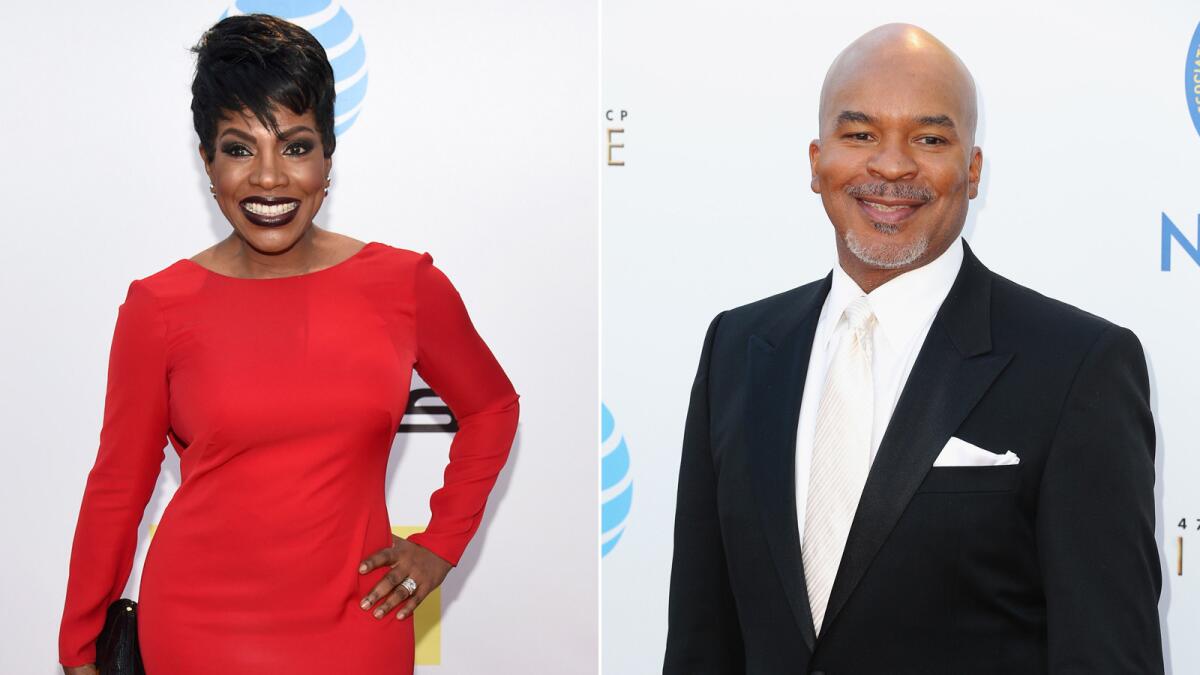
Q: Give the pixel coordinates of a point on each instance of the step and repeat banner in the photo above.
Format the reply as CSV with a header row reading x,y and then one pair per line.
x,y
464,129
1090,130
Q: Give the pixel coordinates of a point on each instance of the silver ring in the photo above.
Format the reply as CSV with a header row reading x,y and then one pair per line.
x,y
409,585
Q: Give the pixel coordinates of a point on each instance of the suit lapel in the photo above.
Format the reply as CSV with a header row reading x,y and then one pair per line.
x,y
951,373
777,365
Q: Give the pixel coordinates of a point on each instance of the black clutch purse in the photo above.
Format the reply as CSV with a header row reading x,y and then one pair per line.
x,y
117,650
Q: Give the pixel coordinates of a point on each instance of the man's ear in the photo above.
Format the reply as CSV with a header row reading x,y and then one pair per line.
x,y
814,153
974,171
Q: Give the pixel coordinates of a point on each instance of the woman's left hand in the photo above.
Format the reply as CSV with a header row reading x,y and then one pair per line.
x,y
406,560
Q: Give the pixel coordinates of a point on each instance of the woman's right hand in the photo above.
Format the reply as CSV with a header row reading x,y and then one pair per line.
x,y
89,669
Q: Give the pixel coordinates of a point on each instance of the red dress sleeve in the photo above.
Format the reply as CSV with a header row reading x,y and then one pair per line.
x,y
455,362
131,451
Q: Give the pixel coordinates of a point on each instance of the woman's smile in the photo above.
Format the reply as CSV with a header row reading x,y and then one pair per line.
x,y
269,211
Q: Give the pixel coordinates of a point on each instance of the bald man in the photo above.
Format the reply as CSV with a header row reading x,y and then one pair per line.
x,y
913,465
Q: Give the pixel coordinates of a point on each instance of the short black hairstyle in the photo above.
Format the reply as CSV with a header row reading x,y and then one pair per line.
x,y
257,62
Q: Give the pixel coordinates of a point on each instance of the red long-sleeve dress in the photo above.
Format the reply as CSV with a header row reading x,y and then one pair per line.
x,y
282,397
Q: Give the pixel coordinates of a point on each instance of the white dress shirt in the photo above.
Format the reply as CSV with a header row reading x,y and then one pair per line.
x,y
904,308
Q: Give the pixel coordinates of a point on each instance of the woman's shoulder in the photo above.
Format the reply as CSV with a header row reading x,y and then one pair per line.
x,y
415,270
166,280
400,255
403,262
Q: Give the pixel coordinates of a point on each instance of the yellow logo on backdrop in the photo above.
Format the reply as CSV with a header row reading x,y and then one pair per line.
x,y
1176,561
427,620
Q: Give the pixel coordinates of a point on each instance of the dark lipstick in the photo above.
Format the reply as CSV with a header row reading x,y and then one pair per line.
x,y
278,210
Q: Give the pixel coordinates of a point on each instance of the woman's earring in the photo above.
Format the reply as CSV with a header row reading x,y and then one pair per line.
x,y
328,182
213,190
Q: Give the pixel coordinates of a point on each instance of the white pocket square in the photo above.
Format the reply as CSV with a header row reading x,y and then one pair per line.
x,y
961,453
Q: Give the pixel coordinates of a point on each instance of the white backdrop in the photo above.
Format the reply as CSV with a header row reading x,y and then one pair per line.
x,y
475,137
1087,142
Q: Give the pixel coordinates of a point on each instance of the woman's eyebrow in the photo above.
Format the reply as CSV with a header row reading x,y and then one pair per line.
x,y
236,132
295,130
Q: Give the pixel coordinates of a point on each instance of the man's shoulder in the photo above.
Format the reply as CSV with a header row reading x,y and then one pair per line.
x,y
762,316
1033,317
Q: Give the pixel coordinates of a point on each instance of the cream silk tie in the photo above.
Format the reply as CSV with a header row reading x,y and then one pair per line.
x,y
841,454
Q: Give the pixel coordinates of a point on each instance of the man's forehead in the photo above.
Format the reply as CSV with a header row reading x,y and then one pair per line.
x,y
904,77
891,103
898,74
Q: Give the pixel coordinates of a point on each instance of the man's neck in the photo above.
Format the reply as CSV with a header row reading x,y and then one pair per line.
x,y
869,278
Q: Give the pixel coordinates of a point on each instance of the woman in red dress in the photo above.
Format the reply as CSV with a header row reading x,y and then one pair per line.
x,y
277,363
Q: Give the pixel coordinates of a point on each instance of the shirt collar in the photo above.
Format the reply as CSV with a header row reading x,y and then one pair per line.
x,y
903,305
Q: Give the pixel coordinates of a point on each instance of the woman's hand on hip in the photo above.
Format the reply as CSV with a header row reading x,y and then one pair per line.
x,y
89,669
408,561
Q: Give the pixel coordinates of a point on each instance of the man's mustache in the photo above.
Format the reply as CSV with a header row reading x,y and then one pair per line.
x,y
890,190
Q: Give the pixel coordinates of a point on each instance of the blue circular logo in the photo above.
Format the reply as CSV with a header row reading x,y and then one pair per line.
x,y
616,482
1191,80
328,21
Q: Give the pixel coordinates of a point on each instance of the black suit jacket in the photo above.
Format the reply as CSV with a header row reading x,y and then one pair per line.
x,y
1047,566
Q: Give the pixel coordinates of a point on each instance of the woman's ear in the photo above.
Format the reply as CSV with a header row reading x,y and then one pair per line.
x,y
204,158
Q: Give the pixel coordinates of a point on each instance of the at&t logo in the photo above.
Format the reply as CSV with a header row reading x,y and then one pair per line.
x,y
616,482
328,21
